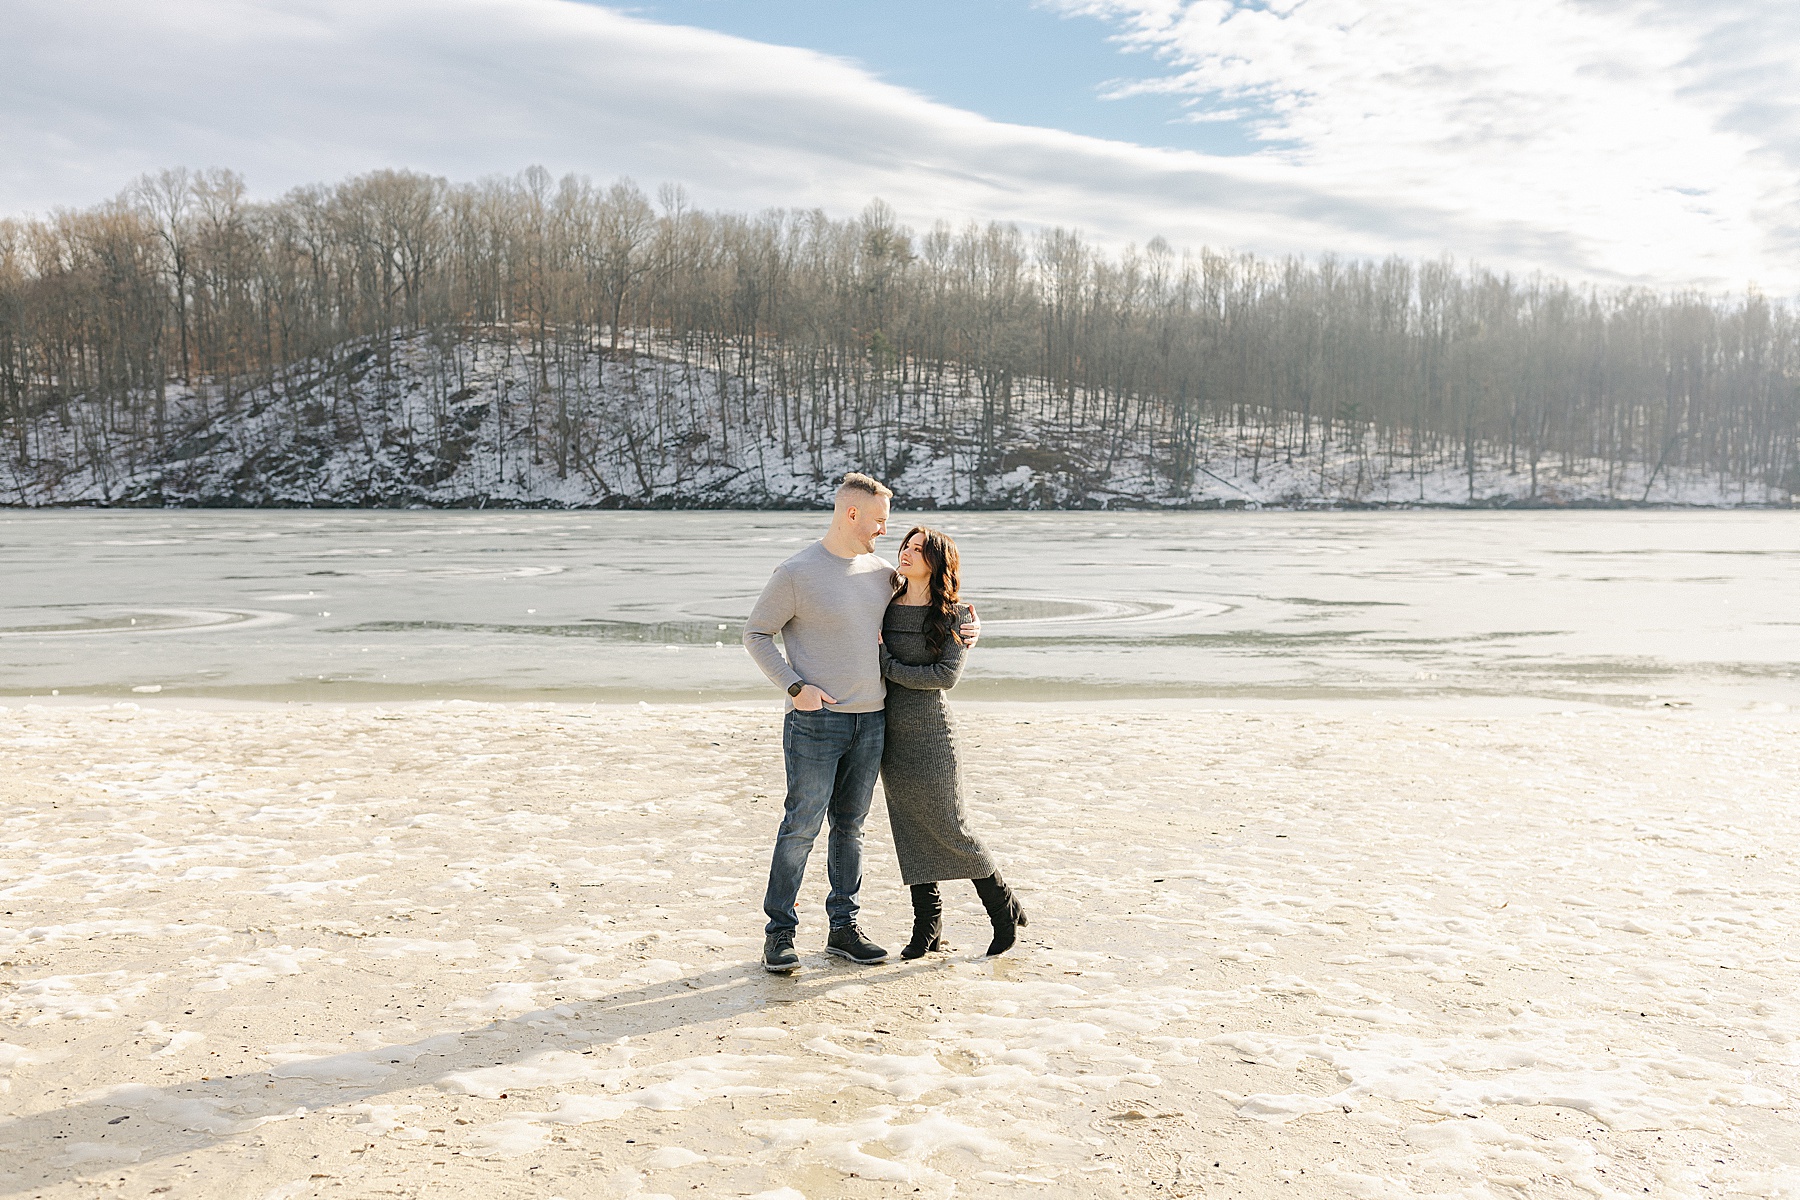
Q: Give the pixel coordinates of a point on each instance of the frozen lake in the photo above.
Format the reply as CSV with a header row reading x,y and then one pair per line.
x,y
1538,608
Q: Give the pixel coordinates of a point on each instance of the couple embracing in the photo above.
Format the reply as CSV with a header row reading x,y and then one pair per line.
x,y
870,651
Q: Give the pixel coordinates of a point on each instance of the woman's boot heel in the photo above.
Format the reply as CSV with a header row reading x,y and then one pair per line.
x,y
928,921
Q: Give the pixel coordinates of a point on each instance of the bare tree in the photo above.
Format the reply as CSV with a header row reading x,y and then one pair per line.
x,y
663,343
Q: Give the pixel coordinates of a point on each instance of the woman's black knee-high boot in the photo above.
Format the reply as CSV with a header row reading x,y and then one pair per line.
x,y
1003,910
928,921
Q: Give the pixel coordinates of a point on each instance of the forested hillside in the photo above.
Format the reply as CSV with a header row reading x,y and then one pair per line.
x,y
396,339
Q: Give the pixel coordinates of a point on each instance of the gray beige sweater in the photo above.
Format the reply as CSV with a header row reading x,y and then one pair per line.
x,y
828,612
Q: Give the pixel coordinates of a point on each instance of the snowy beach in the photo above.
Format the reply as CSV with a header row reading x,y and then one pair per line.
x,y
509,950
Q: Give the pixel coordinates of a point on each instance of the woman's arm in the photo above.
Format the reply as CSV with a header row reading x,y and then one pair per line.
x,y
938,676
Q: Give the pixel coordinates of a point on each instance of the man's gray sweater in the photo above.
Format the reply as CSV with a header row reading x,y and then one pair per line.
x,y
828,612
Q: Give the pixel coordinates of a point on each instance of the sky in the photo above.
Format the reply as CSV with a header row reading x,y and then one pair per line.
x,y
1652,142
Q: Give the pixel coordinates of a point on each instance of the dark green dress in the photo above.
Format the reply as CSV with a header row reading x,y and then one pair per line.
x,y
919,770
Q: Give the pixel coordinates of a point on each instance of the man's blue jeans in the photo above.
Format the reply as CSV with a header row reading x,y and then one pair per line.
x,y
833,760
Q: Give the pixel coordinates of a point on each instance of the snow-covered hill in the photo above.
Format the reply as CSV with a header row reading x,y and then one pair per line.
x,y
481,423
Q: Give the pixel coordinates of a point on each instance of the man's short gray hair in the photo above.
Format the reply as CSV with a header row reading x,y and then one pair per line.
x,y
856,481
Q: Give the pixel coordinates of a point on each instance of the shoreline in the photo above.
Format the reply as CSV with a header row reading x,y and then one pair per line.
x,y
1457,708
917,505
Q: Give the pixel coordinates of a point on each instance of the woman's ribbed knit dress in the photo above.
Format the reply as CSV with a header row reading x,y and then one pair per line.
x,y
919,769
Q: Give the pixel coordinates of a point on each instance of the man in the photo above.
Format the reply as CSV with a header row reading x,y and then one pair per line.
x,y
827,603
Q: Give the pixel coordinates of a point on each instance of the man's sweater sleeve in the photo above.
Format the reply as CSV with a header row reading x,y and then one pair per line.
x,y
774,609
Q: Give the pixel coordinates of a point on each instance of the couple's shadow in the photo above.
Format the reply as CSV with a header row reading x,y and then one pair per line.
x,y
139,1124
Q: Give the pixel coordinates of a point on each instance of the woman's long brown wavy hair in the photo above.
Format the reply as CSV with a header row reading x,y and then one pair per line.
x,y
941,621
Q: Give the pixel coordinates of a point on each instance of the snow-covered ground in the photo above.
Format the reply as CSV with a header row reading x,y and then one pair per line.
x,y
477,423
507,951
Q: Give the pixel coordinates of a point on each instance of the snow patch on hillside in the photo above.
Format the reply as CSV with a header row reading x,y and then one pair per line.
x,y
413,422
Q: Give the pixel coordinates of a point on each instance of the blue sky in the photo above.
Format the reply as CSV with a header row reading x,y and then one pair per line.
x,y
1008,60
1618,141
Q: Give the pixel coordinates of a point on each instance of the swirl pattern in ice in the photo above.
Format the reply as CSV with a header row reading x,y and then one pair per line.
x,y
72,621
1043,610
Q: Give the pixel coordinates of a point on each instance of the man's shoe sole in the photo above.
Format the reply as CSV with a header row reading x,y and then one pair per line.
x,y
846,954
781,968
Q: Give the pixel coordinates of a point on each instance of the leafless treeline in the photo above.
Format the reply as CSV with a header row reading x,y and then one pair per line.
x,y
864,329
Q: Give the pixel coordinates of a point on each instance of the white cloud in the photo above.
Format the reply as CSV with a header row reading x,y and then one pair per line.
x,y
1656,138
1561,142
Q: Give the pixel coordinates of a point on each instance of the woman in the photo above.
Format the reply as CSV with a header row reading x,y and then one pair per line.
x,y
921,658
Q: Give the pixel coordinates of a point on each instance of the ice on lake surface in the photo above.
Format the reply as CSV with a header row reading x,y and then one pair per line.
x,y
1623,608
